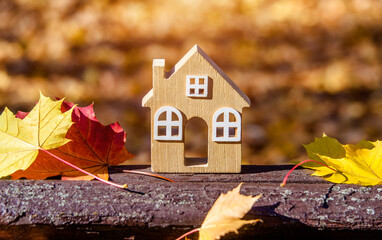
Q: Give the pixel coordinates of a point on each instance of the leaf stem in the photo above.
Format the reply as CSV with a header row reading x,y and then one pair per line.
x,y
83,171
305,161
188,233
142,173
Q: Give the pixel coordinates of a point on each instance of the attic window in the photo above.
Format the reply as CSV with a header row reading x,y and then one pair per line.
x,y
197,86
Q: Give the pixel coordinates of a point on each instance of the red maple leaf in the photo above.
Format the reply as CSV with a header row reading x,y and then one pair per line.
x,y
94,147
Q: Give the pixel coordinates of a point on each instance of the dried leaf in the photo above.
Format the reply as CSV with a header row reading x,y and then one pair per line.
x,y
94,148
353,164
45,127
226,213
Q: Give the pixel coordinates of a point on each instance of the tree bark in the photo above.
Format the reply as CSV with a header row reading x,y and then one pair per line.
x,y
305,204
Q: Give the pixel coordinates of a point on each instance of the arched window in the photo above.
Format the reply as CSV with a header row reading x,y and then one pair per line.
x,y
168,124
226,125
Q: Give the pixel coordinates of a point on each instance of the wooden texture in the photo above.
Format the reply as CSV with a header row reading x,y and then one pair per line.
x,y
154,206
170,90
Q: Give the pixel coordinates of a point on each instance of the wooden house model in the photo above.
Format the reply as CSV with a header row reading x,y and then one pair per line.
x,y
195,87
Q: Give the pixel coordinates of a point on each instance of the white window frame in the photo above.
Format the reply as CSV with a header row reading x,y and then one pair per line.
x,y
196,86
226,125
168,124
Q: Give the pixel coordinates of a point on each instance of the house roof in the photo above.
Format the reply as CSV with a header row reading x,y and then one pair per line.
x,y
189,54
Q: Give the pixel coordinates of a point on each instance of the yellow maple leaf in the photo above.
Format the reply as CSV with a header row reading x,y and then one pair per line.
x,y
353,164
225,215
45,127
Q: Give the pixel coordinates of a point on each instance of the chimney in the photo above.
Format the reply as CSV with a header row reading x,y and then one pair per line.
x,y
158,73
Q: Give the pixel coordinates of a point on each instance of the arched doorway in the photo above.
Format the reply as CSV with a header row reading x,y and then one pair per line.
x,y
196,142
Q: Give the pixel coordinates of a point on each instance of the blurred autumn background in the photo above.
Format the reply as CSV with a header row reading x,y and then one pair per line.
x,y
308,66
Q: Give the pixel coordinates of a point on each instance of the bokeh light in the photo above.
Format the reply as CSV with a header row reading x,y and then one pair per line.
x,y
308,66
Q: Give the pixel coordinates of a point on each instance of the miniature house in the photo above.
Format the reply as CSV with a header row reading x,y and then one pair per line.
x,y
195,87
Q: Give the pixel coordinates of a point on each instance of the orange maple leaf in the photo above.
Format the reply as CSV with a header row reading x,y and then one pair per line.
x,y
93,147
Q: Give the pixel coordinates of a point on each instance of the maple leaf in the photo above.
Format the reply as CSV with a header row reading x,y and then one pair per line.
x,y
352,164
93,147
45,127
225,215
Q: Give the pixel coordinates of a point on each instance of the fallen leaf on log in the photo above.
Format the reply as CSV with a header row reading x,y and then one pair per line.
x,y
352,164
21,140
226,215
93,147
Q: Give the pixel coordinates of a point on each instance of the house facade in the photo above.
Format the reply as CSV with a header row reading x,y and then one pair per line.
x,y
195,87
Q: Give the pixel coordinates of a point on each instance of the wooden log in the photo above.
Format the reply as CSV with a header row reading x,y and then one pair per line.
x,y
154,206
